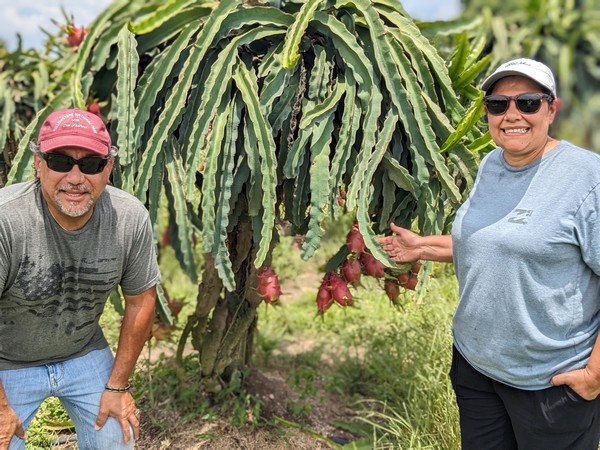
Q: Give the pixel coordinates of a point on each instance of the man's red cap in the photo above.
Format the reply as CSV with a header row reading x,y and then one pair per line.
x,y
74,128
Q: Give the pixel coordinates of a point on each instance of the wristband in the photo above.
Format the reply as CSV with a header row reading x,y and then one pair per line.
x,y
117,389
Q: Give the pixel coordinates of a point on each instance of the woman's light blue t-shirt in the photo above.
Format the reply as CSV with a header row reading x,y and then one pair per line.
x,y
526,248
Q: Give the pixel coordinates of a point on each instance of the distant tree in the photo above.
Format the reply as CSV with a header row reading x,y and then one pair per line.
x,y
472,6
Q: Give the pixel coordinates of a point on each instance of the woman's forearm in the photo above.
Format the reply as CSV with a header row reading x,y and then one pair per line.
x,y
436,248
406,246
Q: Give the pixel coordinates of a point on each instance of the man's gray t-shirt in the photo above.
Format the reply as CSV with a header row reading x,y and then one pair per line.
x,y
526,247
54,283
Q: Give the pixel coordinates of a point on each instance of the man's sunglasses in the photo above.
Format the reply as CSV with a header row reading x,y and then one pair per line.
x,y
90,165
526,103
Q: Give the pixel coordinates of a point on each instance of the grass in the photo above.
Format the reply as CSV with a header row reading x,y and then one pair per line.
x,y
50,422
389,361
393,359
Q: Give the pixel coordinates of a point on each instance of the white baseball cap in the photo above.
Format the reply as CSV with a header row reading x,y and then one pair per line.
x,y
534,70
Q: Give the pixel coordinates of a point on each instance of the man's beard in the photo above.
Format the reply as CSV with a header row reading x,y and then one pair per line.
x,y
74,209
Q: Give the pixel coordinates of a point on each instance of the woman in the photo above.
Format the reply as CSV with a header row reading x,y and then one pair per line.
x,y
526,250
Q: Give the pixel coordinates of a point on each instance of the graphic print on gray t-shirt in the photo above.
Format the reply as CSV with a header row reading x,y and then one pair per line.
x,y
61,292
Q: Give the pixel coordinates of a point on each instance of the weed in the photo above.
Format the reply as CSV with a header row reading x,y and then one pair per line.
x,y
49,423
300,409
241,407
393,359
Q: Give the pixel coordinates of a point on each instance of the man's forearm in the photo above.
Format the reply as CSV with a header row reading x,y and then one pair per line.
x,y
135,330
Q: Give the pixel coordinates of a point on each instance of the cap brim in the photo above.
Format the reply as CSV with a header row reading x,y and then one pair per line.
x,y
82,142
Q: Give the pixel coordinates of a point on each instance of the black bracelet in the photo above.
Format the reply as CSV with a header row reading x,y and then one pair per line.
x,y
116,389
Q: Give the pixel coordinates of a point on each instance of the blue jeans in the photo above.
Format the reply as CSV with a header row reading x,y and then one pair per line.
x,y
78,383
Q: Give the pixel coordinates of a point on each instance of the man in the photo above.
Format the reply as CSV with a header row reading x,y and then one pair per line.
x,y
66,241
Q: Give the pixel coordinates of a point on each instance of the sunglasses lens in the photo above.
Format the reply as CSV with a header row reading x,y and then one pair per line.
x,y
59,163
90,165
528,103
496,104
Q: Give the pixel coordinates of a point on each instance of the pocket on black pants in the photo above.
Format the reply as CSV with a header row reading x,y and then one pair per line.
x,y
560,408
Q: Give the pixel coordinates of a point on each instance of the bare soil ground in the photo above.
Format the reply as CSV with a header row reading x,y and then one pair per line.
x,y
285,431
280,428
312,429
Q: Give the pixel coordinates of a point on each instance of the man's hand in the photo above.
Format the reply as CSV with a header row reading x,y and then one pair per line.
x,y
583,381
121,406
10,426
403,246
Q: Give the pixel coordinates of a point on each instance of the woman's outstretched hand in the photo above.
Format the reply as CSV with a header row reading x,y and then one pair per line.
x,y
407,246
403,245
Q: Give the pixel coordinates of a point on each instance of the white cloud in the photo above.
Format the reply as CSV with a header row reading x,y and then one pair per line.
x,y
27,16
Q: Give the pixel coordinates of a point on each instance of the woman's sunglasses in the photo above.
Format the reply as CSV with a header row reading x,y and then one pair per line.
x,y
90,165
526,103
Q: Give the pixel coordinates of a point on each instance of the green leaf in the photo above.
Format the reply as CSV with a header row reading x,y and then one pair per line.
x,y
472,73
349,126
175,103
155,189
117,301
254,187
22,168
469,121
154,78
461,54
290,55
249,17
363,205
174,189
322,110
417,122
482,143
220,75
319,186
247,84
220,251
398,174
162,306
213,168
127,75
425,58
159,16
103,20
8,109
295,157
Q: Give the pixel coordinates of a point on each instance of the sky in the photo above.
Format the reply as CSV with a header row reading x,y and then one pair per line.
x,y
27,17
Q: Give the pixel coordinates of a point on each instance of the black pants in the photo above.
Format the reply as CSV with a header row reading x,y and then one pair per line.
x,y
494,416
